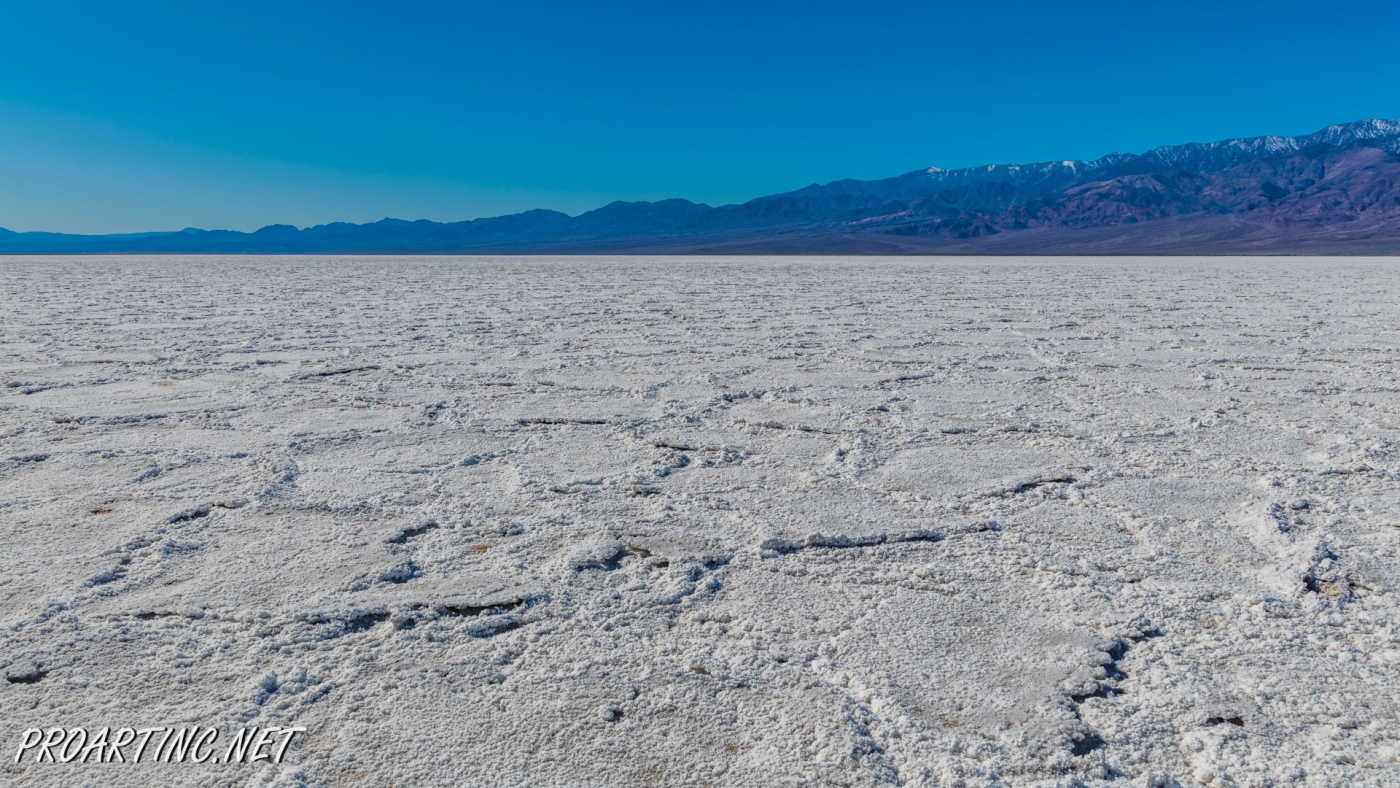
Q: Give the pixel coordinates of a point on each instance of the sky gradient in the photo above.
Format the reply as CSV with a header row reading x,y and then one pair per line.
x,y
157,116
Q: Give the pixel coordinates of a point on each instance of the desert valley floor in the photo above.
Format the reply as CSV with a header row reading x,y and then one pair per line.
x,y
690,521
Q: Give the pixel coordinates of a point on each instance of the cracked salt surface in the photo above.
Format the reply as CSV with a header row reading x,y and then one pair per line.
x,y
707,521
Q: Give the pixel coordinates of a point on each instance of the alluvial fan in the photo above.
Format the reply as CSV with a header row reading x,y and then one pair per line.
x,y
689,521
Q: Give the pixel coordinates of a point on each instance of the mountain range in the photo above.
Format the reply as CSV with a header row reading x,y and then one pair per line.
x,y
1333,192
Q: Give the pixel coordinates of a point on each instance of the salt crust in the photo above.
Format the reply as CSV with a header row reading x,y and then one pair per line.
x,y
741,522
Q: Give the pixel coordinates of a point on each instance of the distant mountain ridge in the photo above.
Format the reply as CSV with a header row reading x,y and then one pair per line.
x,y
1336,191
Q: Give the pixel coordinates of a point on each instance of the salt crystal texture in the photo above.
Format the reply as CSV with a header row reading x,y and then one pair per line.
x,y
689,521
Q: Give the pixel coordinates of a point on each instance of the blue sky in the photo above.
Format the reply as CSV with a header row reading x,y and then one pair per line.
x,y
120,117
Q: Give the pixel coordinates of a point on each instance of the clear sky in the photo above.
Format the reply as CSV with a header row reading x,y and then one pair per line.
x,y
122,117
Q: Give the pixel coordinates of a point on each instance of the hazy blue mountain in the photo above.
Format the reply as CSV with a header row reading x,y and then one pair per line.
x,y
1335,191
